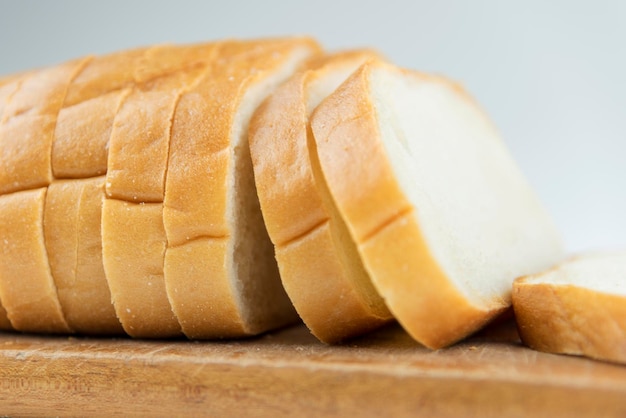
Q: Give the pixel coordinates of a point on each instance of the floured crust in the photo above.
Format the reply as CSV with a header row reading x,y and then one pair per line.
x,y
105,74
135,272
88,124
317,269
198,229
137,163
569,319
27,288
27,130
382,222
74,246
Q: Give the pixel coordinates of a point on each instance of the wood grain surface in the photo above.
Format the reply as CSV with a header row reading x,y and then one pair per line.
x,y
289,373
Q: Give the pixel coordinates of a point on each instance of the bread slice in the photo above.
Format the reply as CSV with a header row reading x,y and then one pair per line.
x,y
26,136
72,223
577,307
132,215
319,264
27,288
442,217
220,273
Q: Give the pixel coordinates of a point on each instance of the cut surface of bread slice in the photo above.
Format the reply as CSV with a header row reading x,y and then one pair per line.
x,y
319,265
220,272
27,288
577,307
72,227
442,217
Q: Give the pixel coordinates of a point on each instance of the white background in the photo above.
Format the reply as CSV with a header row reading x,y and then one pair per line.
x,y
550,73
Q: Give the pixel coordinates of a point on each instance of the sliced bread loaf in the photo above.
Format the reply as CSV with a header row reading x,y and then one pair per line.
x,y
319,265
577,307
442,216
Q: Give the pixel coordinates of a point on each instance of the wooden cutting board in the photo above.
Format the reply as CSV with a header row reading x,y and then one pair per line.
x,y
288,373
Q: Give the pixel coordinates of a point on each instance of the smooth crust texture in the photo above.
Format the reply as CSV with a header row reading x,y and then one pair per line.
x,y
383,223
198,270
27,288
569,319
320,270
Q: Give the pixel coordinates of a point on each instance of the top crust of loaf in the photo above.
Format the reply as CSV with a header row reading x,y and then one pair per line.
x,y
360,136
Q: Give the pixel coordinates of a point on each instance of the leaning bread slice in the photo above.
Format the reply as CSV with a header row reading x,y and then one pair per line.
x,y
220,271
442,217
319,264
577,307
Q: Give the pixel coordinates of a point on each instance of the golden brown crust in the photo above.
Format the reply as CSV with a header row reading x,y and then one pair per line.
x,y
571,320
27,131
74,246
199,162
27,288
291,203
416,290
436,313
139,144
82,134
92,286
137,164
135,272
60,226
346,134
105,74
325,281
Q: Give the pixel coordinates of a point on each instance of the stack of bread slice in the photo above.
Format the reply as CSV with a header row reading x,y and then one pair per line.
x,y
223,189
127,200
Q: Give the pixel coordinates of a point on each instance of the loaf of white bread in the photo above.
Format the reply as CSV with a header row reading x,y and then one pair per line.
x,y
208,190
